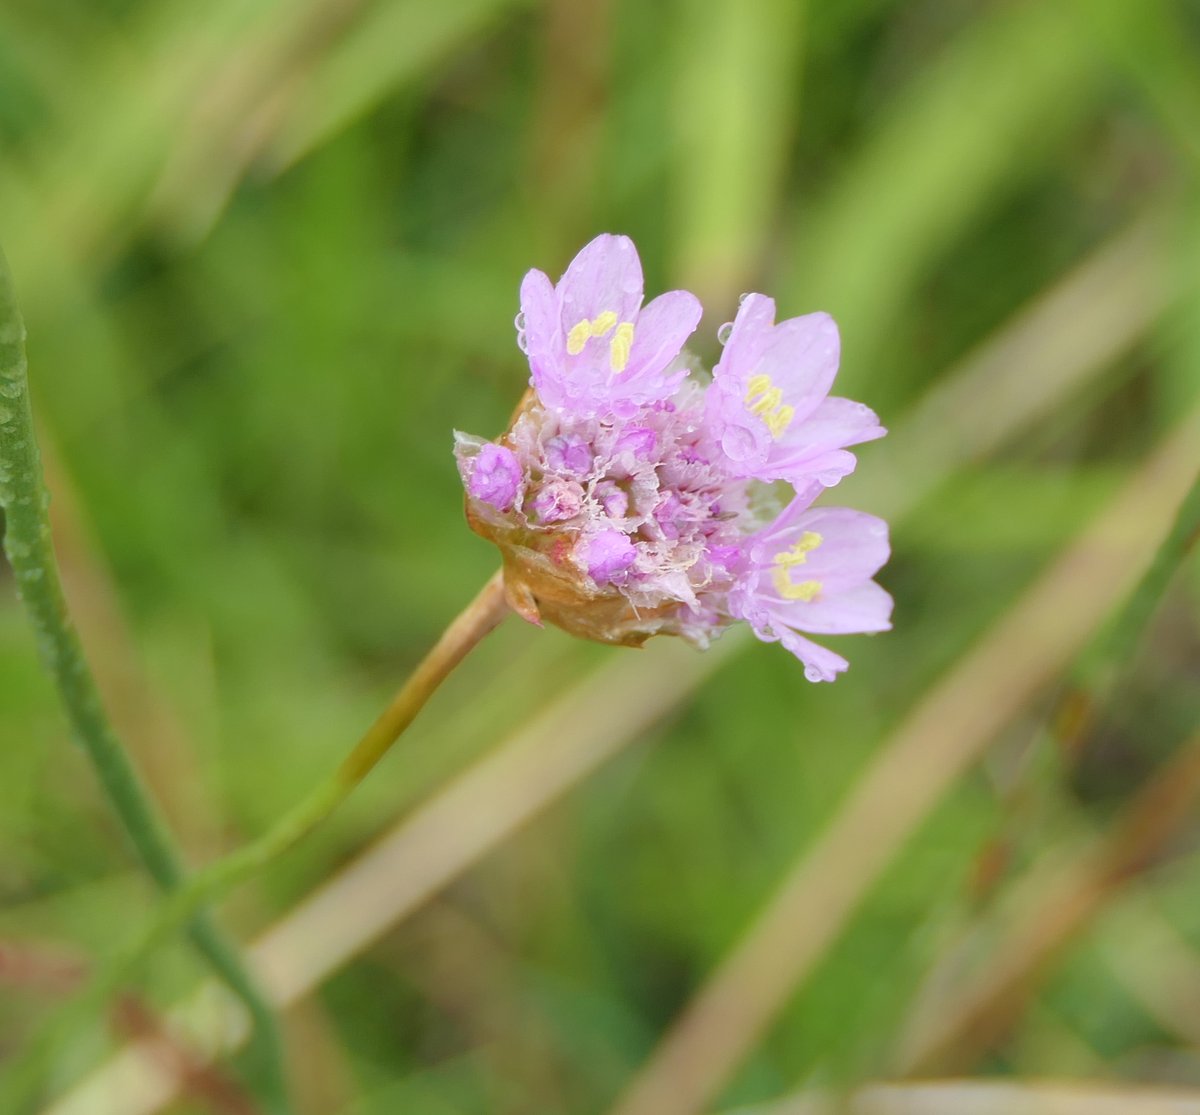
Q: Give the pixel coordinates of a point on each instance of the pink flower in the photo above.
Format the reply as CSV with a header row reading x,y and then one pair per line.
x,y
811,571
769,409
495,476
630,501
594,351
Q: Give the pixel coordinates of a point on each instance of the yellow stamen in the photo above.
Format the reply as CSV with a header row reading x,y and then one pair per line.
x,y
578,337
798,554
583,331
780,420
756,386
622,342
602,323
766,400
791,590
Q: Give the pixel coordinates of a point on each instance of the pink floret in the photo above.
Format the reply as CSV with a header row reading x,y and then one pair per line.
x,y
810,571
769,409
607,554
495,476
593,349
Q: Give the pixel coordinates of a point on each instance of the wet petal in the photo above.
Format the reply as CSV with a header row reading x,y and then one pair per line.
x,y
661,328
851,549
543,338
752,330
802,361
605,277
820,663
855,611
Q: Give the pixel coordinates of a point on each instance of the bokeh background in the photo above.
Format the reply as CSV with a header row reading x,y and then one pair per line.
x,y
269,252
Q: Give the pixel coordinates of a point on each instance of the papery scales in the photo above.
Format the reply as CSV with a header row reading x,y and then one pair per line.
x,y
631,498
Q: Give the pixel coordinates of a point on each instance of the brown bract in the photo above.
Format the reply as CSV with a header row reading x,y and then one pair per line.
x,y
544,585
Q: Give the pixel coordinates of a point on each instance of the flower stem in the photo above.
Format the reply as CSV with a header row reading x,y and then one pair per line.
x,y
209,884
30,551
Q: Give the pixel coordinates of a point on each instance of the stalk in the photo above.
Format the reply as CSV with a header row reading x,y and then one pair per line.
x,y
30,551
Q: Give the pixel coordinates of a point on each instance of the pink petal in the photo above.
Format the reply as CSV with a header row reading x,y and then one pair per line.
x,y
605,276
752,330
802,361
816,446
543,339
855,611
839,422
854,545
820,663
780,534
662,327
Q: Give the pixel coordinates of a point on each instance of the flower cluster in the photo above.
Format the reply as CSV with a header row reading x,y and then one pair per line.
x,y
633,495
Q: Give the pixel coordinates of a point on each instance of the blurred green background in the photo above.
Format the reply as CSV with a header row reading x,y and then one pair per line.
x,y
269,252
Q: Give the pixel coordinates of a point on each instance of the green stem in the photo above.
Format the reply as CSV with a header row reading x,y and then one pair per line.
x,y
30,551
211,883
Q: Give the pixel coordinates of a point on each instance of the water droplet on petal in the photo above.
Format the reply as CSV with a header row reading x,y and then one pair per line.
x,y
743,296
522,343
519,322
724,331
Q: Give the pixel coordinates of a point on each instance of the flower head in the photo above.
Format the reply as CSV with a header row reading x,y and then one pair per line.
x,y
627,497
769,406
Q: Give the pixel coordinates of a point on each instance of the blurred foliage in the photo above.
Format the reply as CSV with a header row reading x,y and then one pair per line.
x,y
269,253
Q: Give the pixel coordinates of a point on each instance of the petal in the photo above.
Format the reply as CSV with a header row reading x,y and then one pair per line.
x,y
815,447
820,663
867,607
839,422
752,329
606,276
539,305
661,328
853,546
780,534
741,442
802,361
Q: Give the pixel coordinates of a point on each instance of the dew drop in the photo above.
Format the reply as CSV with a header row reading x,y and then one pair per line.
x,y
522,343
724,331
743,296
519,322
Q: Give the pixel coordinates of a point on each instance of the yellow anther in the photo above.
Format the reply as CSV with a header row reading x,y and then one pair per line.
x,y
793,590
799,552
766,400
602,323
622,342
756,386
578,337
768,403
779,420
583,331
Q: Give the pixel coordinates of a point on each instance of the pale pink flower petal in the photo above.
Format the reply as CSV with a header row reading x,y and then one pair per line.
x,y
662,327
820,663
